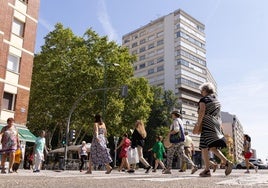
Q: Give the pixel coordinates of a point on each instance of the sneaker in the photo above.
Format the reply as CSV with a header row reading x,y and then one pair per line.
x,y
228,168
10,171
256,169
154,170
205,173
247,172
36,171
194,170
148,169
166,171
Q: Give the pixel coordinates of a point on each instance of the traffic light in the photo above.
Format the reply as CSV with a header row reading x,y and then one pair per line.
x,y
63,141
72,135
124,91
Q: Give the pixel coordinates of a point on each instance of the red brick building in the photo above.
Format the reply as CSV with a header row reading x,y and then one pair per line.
x,y
18,26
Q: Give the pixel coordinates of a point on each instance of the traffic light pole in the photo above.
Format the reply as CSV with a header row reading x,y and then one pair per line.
x,y
70,115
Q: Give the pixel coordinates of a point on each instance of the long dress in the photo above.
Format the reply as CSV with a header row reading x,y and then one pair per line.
x,y
211,134
98,151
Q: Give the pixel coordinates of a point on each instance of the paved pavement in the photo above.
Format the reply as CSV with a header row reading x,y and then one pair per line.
x,y
98,179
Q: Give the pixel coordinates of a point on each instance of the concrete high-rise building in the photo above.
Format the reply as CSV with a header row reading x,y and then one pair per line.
x,y
234,129
171,53
18,26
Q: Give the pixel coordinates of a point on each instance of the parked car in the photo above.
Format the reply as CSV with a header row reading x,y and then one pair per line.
x,y
257,162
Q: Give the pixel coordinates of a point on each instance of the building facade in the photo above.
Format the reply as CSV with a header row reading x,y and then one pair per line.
x,y
234,129
171,53
18,26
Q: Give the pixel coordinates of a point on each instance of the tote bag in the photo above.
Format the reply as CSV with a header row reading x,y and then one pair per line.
x,y
132,155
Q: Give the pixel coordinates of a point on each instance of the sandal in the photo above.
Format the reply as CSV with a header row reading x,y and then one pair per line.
x,y
205,173
109,170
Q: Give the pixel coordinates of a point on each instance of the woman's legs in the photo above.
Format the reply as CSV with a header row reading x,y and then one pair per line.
x,y
11,160
219,154
3,161
142,160
228,164
205,158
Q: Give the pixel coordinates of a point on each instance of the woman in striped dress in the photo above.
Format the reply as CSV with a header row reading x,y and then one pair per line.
x,y
209,126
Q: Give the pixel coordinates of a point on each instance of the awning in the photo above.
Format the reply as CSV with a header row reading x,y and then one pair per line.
x,y
24,134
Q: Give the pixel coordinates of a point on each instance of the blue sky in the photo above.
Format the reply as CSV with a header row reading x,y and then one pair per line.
x,y
236,32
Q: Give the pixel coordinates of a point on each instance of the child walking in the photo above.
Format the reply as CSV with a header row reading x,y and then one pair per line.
x,y
158,150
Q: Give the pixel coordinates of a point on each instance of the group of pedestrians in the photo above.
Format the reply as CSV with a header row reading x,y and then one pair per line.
x,y
11,148
208,126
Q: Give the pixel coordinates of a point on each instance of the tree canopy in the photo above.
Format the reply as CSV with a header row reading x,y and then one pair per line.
x,y
69,66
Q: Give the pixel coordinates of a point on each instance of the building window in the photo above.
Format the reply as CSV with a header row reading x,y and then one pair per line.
x,y
160,59
24,1
150,71
8,101
142,57
150,62
142,41
142,49
160,42
142,66
13,63
134,44
150,46
18,27
161,68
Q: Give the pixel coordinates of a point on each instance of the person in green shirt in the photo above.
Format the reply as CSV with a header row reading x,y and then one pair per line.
x,y
158,150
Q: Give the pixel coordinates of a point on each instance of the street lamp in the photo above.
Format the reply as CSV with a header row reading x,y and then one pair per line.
x,y
116,138
105,85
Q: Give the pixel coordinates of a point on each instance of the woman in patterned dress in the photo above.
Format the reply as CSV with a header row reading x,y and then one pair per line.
x,y
10,143
99,153
209,126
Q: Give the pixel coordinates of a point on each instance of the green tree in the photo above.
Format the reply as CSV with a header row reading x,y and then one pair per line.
x,y
68,67
159,120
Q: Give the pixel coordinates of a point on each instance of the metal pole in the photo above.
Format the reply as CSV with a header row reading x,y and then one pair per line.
x,y
115,142
104,91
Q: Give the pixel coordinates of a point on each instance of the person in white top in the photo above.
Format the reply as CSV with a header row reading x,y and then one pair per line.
x,y
188,149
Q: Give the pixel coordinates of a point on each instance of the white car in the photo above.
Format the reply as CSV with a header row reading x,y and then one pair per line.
x,y
257,162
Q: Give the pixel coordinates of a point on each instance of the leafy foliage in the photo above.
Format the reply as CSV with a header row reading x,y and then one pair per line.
x,y
68,67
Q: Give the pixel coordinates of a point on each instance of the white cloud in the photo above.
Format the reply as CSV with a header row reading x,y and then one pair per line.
x,y
45,24
105,21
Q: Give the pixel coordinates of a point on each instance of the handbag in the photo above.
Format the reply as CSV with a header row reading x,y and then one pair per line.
x,y
178,137
132,155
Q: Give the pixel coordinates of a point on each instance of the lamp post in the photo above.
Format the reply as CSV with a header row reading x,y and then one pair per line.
x,y
116,138
105,85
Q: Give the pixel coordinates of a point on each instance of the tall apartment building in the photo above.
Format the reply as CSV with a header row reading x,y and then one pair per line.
x,y
18,25
171,54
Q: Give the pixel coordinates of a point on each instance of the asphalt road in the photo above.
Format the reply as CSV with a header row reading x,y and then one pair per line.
x,y
98,179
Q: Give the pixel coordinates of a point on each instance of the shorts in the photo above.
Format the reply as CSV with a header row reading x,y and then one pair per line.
x,y
247,155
